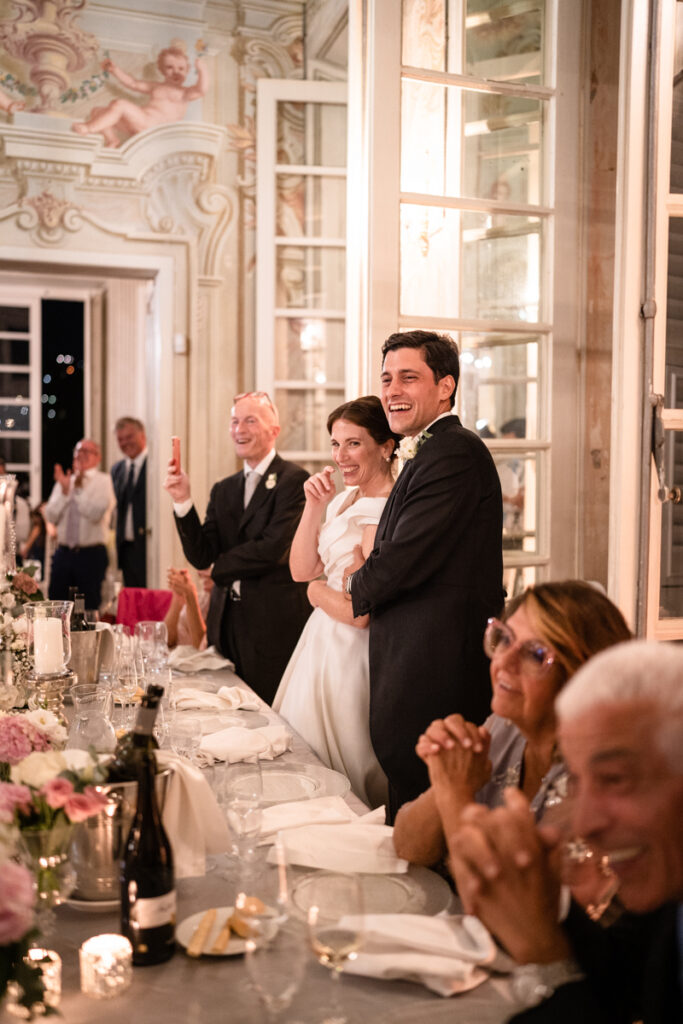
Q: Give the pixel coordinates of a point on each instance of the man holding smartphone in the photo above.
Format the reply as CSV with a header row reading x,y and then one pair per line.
x,y
257,612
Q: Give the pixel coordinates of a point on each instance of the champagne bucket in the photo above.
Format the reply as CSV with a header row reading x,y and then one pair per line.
x,y
86,655
98,843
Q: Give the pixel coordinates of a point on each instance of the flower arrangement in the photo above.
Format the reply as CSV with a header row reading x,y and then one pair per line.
x,y
20,588
17,902
22,733
49,788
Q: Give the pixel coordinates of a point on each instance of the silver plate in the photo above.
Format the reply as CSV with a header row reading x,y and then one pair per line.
x,y
418,891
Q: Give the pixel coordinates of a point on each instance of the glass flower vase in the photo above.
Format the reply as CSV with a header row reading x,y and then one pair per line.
x,y
46,853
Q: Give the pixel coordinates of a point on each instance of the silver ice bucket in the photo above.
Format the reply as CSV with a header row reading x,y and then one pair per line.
x,y
86,654
98,843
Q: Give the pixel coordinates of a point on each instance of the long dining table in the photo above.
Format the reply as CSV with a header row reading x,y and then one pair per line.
x,y
216,989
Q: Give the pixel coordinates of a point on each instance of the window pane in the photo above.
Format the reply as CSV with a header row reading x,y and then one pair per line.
x,y
312,205
14,385
310,277
671,578
14,351
312,133
309,349
519,482
424,34
15,449
473,265
14,417
490,149
677,109
504,40
303,416
498,390
14,318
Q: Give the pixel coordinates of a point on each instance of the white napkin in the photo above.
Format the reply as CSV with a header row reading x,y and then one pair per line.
x,y
227,699
189,659
356,846
330,810
192,818
239,744
444,953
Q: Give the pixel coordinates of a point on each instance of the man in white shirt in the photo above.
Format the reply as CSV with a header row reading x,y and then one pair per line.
x,y
80,506
257,612
129,476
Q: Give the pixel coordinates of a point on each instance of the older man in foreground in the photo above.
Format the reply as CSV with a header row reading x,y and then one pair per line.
x,y
621,731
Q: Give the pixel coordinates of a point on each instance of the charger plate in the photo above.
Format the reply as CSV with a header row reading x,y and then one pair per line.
x,y
295,780
417,891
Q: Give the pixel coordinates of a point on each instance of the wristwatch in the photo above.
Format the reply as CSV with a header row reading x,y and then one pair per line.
x,y
347,585
533,983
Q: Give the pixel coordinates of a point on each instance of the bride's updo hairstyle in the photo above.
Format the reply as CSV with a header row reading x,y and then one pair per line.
x,y
366,412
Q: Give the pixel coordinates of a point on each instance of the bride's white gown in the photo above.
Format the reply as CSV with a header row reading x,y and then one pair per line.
x,y
325,691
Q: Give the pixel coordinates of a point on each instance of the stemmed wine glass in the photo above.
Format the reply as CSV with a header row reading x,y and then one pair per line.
x,y
125,683
275,961
242,796
334,903
186,735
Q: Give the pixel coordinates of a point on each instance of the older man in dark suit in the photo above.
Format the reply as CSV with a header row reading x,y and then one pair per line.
x,y
257,612
435,574
129,476
621,731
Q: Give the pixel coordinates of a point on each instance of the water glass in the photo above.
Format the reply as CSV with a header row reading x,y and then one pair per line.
x,y
242,799
152,638
275,961
185,735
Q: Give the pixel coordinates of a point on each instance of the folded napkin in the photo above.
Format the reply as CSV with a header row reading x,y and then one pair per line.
x,y
238,744
355,846
192,818
446,954
189,659
329,810
227,699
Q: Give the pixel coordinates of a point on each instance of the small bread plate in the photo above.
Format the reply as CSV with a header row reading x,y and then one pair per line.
x,y
188,926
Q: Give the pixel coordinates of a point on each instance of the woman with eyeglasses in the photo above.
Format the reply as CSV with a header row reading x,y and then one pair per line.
x,y
547,634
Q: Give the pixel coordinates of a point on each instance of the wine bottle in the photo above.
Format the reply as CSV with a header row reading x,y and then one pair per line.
x,y
125,765
78,620
148,896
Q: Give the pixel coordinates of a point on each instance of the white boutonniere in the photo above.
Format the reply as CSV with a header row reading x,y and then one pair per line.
x,y
271,480
410,446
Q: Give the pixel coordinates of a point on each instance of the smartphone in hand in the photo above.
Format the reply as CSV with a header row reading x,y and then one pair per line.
x,y
175,453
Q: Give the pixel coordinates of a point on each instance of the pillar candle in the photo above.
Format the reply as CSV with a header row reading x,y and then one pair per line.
x,y
48,649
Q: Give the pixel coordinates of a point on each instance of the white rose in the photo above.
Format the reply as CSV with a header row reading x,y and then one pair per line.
x,y
7,600
20,625
38,768
48,723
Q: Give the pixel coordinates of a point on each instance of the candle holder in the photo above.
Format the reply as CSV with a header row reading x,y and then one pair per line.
x,y
106,966
50,965
49,647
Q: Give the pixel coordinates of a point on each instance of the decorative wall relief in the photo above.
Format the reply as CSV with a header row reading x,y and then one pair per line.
x,y
43,35
168,100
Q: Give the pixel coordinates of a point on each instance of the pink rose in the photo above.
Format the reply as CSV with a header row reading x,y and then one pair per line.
x,y
16,902
19,738
23,582
13,798
82,805
57,792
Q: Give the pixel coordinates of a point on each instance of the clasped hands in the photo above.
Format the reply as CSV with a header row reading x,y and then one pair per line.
x,y
456,753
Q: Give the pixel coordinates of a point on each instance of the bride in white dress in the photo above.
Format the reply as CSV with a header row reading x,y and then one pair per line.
x,y
325,691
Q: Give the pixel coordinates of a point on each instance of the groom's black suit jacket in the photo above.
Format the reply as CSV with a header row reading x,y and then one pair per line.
x,y
631,973
260,631
431,582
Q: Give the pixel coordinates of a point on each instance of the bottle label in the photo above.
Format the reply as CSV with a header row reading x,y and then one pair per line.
x,y
144,723
155,911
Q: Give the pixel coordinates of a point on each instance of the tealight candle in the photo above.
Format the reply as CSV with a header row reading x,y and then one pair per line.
x,y
106,966
50,964
48,648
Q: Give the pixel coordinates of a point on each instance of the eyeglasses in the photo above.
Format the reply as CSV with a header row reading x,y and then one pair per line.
x,y
500,639
255,394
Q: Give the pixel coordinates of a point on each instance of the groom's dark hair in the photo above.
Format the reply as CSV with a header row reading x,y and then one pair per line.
x,y
440,353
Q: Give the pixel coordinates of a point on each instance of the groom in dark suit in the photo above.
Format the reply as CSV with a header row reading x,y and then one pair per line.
x,y
129,476
435,574
257,612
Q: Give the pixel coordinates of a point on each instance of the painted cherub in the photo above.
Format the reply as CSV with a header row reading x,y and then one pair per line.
x,y
168,99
